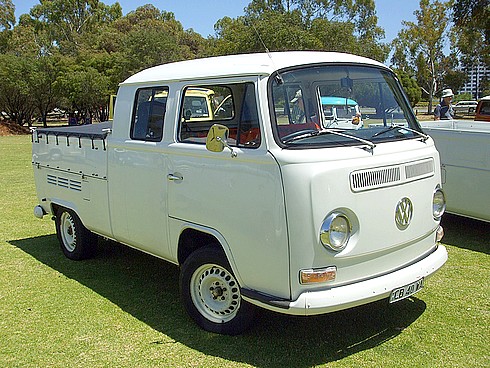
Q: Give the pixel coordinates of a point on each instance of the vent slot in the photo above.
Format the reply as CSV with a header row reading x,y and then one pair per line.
x,y
376,178
64,182
52,179
419,169
391,175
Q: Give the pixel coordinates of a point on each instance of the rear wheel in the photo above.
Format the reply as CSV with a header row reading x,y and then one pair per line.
x,y
76,241
211,294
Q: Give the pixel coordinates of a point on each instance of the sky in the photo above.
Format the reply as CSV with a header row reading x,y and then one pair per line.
x,y
201,15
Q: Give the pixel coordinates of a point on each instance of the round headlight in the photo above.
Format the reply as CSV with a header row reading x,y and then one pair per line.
x,y
335,231
438,204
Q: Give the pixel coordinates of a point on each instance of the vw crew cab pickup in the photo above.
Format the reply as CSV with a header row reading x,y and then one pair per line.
x,y
230,168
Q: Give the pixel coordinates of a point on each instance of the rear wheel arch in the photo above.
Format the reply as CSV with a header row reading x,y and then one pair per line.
x,y
76,241
192,239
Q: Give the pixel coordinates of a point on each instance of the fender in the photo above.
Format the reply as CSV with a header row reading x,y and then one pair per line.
x,y
177,227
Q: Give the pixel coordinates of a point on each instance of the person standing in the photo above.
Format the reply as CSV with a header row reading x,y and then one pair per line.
x,y
298,110
444,110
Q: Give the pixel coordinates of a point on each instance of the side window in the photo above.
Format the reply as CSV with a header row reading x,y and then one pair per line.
x,y
149,113
485,108
232,105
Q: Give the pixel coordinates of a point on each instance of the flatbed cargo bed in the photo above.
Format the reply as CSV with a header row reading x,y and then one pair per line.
x,y
90,130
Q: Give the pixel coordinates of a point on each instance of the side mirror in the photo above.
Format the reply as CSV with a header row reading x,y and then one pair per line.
x,y
217,139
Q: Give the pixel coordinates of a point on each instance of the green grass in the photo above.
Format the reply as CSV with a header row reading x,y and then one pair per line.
x,y
122,308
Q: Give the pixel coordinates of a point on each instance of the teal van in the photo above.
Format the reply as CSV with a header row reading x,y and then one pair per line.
x,y
341,112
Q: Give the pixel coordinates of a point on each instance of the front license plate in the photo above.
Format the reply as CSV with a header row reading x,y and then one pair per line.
x,y
407,290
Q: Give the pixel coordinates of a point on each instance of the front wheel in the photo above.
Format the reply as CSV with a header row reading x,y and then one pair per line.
x,y
211,294
76,241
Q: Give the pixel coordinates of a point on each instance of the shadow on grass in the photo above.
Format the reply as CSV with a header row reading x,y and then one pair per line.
x,y
147,288
466,233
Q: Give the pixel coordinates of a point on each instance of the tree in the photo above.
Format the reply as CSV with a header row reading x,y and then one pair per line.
x,y
471,35
7,21
472,29
303,25
143,38
68,21
421,45
85,90
15,97
7,14
42,85
411,87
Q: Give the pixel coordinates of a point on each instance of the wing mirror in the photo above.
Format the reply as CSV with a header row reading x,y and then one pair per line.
x,y
217,139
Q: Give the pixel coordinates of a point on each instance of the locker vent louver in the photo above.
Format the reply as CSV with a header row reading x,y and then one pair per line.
x,y
380,177
65,182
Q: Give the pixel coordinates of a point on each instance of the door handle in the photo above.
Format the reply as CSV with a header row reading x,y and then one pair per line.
x,y
175,177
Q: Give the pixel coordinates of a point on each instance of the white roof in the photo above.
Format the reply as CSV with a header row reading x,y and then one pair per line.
x,y
239,65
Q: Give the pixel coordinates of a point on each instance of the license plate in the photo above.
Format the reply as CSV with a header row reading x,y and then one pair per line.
x,y
407,290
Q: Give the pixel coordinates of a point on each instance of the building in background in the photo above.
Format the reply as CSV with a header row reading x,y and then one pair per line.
x,y
476,75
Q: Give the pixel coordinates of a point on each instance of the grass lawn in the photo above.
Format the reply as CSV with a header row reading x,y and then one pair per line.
x,y
122,308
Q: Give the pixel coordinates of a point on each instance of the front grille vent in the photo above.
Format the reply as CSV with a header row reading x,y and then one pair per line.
x,y
419,169
64,182
380,177
375,178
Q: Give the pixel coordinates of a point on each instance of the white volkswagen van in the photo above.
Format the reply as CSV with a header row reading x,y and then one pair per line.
x,y
263,202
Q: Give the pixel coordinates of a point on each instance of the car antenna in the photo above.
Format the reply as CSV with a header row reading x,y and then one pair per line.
x,y
278,76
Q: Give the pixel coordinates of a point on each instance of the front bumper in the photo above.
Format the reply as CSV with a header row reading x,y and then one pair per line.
x,y
343,297
352,295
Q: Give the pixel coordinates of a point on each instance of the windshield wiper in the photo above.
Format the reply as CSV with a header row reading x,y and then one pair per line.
x,y
423,136
331,131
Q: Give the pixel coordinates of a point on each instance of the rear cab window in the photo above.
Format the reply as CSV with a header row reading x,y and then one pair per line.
x,y
149,114
232,105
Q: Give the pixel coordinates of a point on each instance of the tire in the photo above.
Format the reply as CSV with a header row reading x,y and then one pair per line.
x,y
76,241
211,295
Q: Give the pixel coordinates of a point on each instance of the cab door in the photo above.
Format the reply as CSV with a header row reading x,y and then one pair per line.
x,y
238,196
138,176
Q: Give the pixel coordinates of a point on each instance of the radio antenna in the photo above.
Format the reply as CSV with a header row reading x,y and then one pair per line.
x,y
278,76
260,38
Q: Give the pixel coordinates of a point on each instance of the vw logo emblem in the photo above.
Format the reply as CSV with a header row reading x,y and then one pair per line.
x,y
403,213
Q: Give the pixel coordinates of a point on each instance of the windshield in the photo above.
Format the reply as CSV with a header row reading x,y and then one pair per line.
x,y
363,103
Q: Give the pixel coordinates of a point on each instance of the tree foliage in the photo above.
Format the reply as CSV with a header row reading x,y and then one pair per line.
x,y
348,26
15,97
419,46
72,54
472,31
68,21
7,14
411,87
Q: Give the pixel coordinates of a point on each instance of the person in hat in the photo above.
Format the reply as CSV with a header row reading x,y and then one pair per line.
x,y
444,111
298,111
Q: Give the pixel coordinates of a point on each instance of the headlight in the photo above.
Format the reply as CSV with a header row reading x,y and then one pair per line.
x,y
438,204
335,231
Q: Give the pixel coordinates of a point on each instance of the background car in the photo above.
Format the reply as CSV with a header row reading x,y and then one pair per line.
x,y
483,109
465,107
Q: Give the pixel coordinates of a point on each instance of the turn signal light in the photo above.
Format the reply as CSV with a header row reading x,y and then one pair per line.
x,y
439,233
318,275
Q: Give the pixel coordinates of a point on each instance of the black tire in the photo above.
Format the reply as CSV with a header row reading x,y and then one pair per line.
x,y
76,241
211,294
